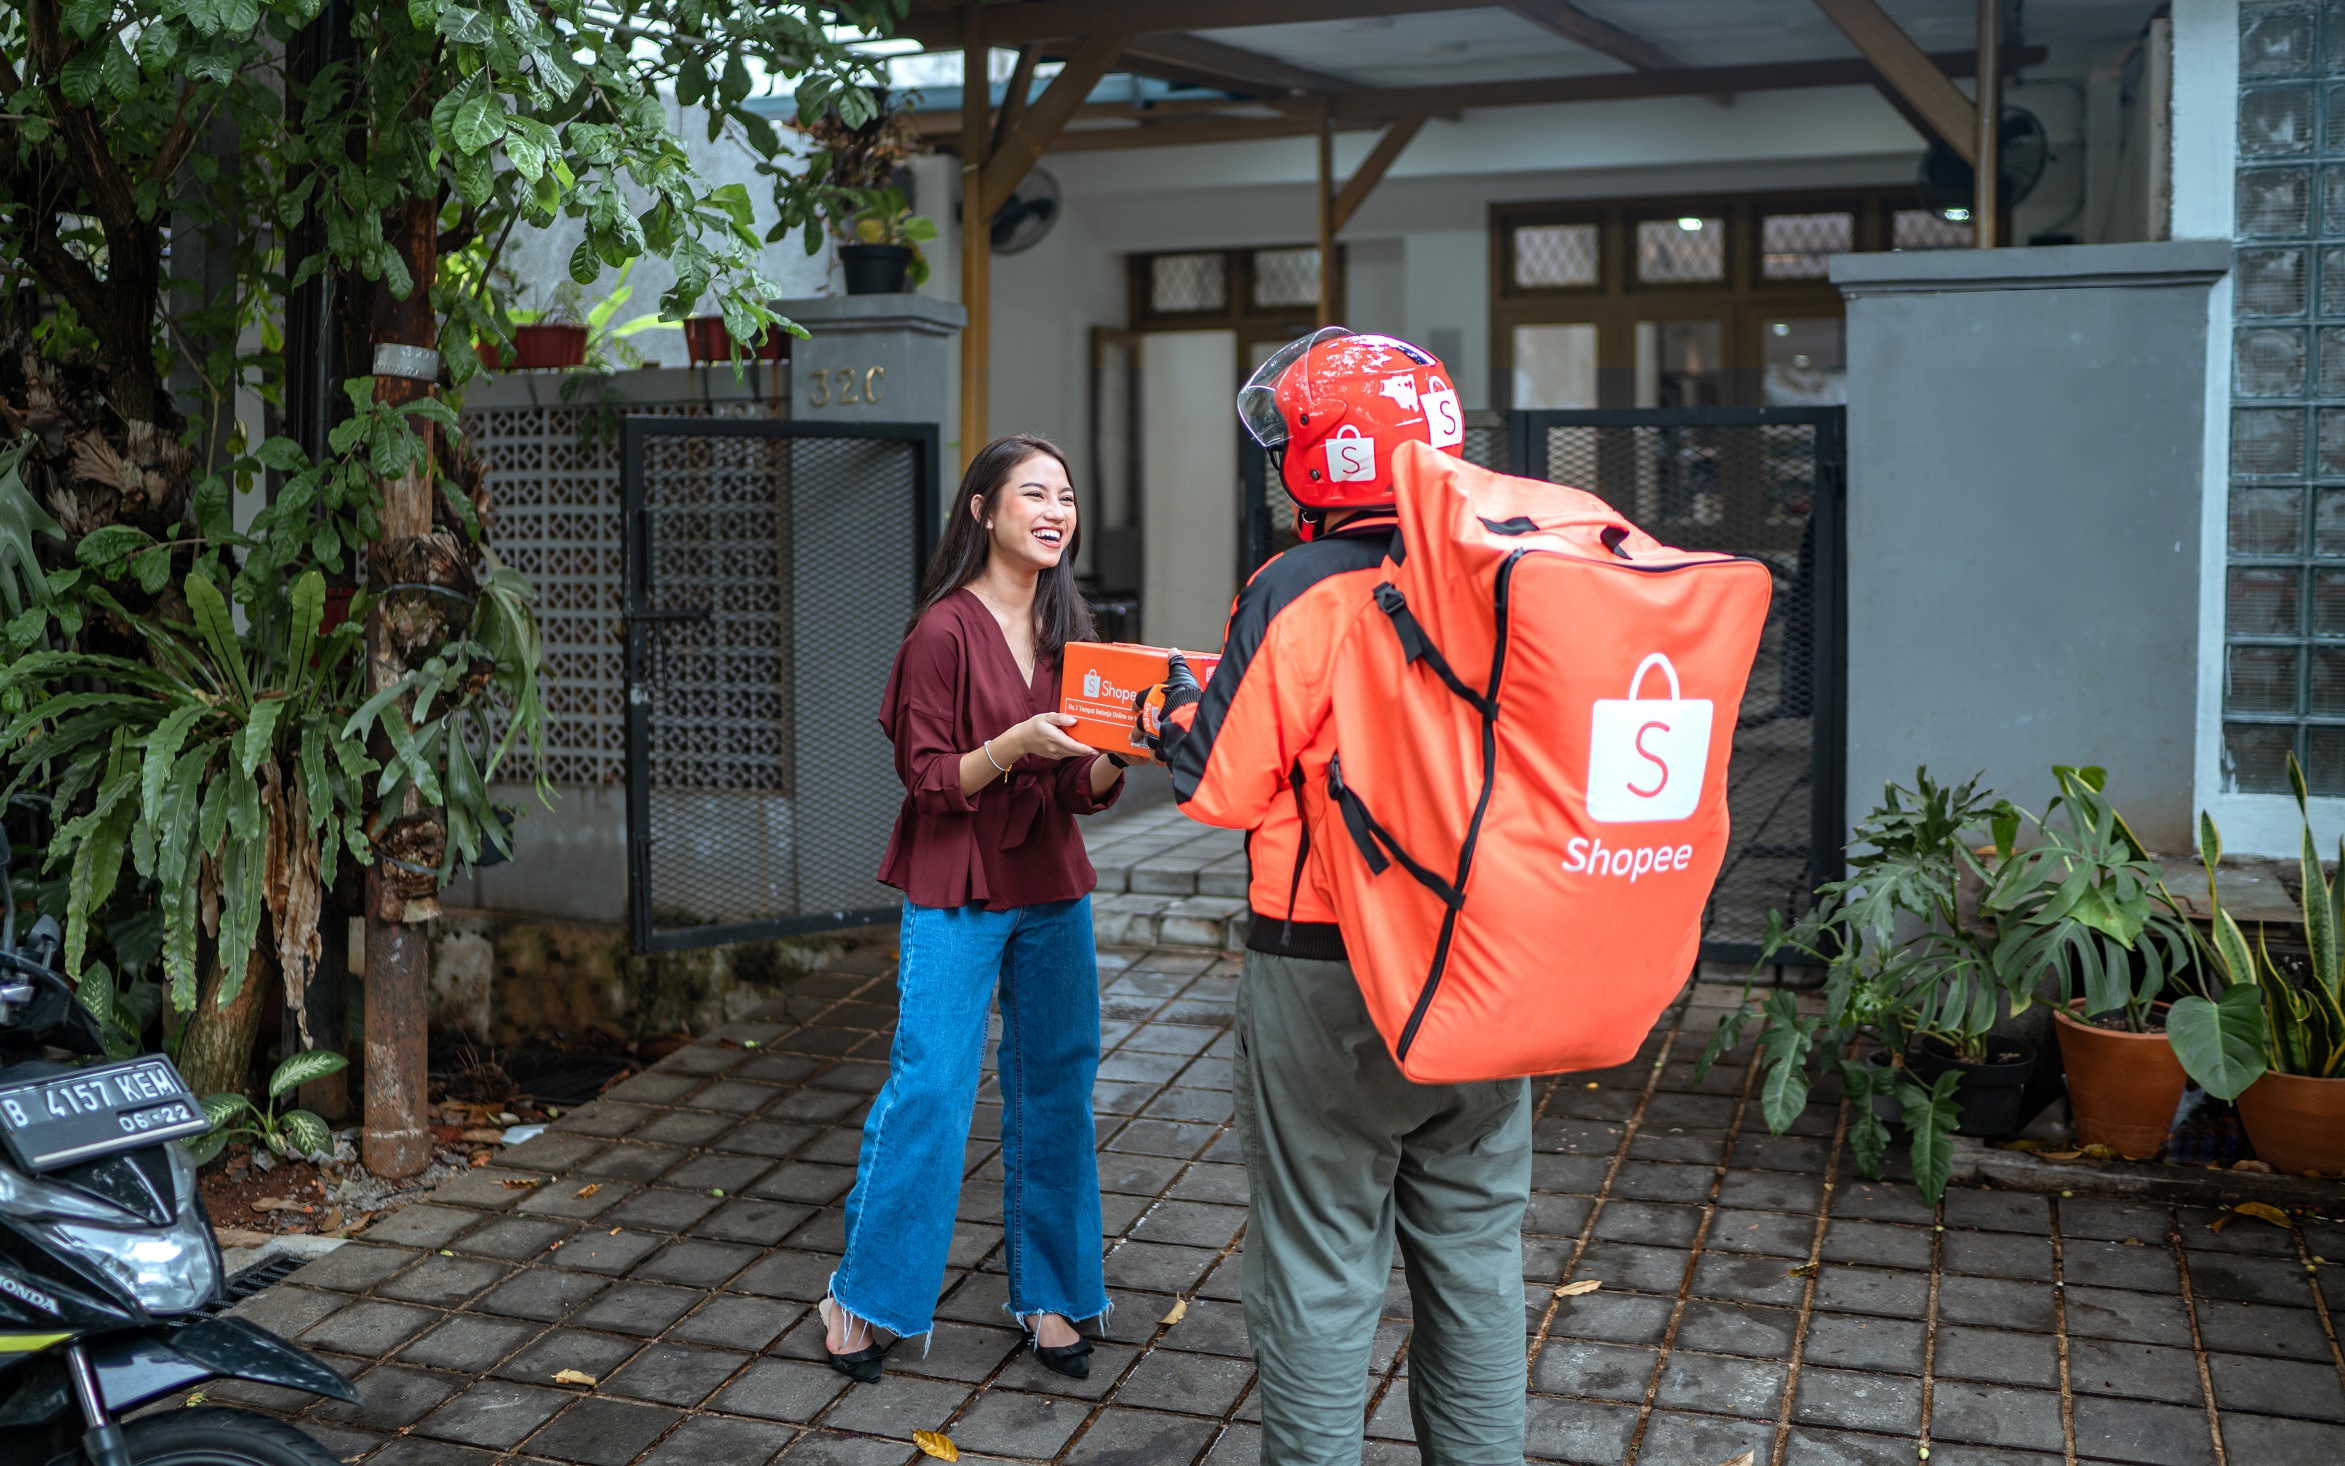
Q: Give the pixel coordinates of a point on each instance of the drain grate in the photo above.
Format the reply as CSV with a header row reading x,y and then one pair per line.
x,y
245,1282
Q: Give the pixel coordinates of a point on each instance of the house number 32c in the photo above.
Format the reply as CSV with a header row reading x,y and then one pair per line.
x,y
846,387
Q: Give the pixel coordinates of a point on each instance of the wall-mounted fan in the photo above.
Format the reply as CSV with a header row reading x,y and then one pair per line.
x,y
1947,182
1020,223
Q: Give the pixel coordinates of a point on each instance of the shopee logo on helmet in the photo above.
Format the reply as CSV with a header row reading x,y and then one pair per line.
x,y
1351,457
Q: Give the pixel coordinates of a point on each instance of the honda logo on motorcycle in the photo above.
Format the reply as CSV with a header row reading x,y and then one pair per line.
x,y
1646,756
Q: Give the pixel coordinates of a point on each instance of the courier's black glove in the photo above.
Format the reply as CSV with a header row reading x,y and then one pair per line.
x,y
1164,712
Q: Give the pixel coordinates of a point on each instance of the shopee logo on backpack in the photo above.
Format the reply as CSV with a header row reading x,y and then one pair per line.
x,y
1646,756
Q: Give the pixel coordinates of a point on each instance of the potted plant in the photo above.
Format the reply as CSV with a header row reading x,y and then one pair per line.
x,y
568,333
1907,972
2269,1039
882,256
2080,901
551,338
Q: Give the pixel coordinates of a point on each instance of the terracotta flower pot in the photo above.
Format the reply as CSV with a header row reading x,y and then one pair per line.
x,y
706,340
541,345
2296,1124
2122,1087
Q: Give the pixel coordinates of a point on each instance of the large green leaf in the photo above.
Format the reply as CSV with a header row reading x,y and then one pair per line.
x,y
2220,1044
299,1069
304,1133
218,630
21,517
1930,1117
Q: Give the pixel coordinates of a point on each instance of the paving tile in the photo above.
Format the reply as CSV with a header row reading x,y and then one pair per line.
x,y
1749,1279
541,1293
968,1353
391,1396
710,1440
1652,1181
897,1406
1956,1453
370,1329
1568,1430
2253,1328
1619,1318
443,1281
653,1089
2111,1220
1996,1415
1670,1436
781,1389
674,1374
415,1451
607,1252
1659,1270
289,1310
1136,1174
1198,1384
1593,1371
1998,1255
1649,1223
772,1139
1851,1341
560,1349
2277,1386
1025,1372
2143,1434
1156,1267
2248,1279
1123,1437
2146,1372
1995,1356
628,1161
732,1322
2144,1318
2268,1439
1996,1303
1552,1216
761,1223
696,1262
1808,1446
1872,1290
1853,1400
600,1432
636,1308
580,1201
1881,1201
661,1210
494,1412
2102,1264
1238,1445
1752,1330
472,1345
514,1239
1721,1386
1194,1224
1998,1211
421,1224
353,1267
1580,1175
1772,1234
1877,1244
1210,1327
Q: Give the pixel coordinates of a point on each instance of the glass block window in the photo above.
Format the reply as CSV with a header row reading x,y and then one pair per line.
x,y
1285,277
1681,251
1928,229
1178,284
1801,246
2284,588
1557,256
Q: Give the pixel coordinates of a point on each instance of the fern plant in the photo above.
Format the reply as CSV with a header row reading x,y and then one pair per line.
x,y
292,1132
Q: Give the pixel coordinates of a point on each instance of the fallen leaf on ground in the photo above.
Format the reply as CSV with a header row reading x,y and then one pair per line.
x,y
480,1158
276,1203
575,1377
2264,1211
2060,1155
1177,1312
589,1189
1747,1458
1804,1270
937,1444
2253,1167
2101,1152
2134,1242
2219,1223
483,1137
331,1220
239,1237
1582,1287
517,1183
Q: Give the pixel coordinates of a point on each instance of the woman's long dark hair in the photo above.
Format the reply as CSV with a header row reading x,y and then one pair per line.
x,y
1060,613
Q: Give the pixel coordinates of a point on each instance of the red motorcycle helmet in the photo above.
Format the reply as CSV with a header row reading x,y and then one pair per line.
x,y
1331,408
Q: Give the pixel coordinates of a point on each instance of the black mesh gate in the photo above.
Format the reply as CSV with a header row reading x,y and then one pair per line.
x,y
1768,482
771,567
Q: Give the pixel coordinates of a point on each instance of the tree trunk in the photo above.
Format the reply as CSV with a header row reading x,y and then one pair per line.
x,y
215,1051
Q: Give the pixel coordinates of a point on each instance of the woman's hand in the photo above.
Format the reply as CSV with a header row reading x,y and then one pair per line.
x,y
1040,736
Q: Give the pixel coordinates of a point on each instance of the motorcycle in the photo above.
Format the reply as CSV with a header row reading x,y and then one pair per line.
x,y
107,1259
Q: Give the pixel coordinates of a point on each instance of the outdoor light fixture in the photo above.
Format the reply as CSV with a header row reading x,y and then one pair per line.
x,y
1958,216
1783,328
1690,225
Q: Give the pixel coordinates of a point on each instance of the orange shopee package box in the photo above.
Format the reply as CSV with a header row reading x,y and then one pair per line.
x,y
1098,681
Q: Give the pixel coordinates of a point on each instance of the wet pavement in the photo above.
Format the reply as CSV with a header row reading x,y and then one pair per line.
x,y
669,1241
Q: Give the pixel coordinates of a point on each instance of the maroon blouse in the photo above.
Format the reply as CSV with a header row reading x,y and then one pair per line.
x,y
1014,843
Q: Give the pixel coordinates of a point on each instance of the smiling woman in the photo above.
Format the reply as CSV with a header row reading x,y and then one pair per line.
x,y
996,894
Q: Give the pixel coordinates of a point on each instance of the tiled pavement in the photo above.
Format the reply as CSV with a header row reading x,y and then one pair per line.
x,y
669,1240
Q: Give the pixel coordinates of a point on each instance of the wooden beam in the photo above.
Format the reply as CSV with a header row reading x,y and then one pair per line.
x,y
1061,100
944,128
1374,107
1051,20
1372,168
1231,67
1599,35
976,237
1915,75
1014,97
1987,166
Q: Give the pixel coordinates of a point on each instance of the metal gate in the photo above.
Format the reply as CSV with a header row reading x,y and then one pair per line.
x,y
771,567
1768,482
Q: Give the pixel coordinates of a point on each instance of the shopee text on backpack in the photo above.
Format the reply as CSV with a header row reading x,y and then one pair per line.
x,y
1527,805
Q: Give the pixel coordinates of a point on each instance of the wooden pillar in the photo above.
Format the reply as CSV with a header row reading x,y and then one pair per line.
x,y
396,1141
1327,211
1986,197
976,231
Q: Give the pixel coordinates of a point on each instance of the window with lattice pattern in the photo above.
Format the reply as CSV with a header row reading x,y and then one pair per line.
x,y
1284,277
1557,256
1928,229
1182,284
1801,246
1681,251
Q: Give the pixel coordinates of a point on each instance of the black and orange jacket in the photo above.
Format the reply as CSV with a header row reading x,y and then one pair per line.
x,y
1260,733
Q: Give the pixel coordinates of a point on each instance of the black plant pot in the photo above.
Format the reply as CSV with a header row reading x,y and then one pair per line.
x,y
1990,1095
876,269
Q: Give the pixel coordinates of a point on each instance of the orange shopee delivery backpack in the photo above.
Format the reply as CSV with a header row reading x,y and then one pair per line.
x,y
1527,805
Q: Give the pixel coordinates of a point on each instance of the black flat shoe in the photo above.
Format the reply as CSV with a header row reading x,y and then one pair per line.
x,y
862,1366
1072,1360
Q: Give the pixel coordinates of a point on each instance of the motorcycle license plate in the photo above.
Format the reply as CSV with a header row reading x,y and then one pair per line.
x,y
97,1111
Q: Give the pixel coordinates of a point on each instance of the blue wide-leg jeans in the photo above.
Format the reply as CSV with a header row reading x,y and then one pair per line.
x,y
908,1181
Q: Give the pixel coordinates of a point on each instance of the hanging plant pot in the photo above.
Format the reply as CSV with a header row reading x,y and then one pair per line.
x,y
2122,1087
2296,1124
876,269
549,345
1989,1093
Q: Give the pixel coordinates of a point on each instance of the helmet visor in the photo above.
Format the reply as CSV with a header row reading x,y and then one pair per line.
x,y
1258,399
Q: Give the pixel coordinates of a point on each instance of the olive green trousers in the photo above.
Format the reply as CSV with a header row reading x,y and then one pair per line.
x,y
1344,1157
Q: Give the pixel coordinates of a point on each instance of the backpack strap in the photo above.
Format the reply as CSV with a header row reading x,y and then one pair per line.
x,y
1374,840
1294,782
1416,646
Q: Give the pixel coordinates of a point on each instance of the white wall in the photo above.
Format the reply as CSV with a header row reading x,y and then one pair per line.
x,y
1189,467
